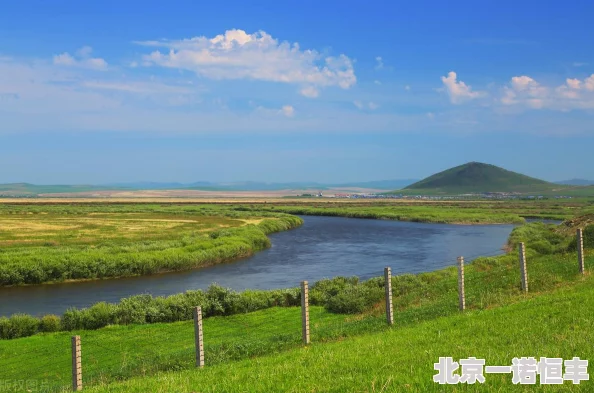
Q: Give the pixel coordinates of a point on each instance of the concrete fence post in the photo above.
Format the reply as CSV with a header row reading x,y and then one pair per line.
x,y
523,269
305,312
198,337
580,250
76,364
461,294
388,287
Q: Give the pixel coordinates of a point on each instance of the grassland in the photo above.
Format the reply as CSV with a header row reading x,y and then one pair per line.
x,y
446,212
52,242
426,319
40,244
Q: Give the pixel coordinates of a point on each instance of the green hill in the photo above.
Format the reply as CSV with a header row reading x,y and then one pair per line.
x,y
476,177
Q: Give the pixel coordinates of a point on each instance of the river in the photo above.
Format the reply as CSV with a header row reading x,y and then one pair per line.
x,y
323,247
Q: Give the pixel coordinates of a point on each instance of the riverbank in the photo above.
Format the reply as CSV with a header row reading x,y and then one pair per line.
x,y
145,348
549,266
322,247
45,244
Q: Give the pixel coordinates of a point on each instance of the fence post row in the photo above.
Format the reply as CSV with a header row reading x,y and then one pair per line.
x,y
198,338
305,312
76,364
461,294
580,250
523,271
388,287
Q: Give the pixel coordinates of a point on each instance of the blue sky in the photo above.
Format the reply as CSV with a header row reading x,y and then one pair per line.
x,y
97,92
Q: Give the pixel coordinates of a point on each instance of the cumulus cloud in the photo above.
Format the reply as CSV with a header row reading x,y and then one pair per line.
x,y
573,94
257,56
458,90
83,59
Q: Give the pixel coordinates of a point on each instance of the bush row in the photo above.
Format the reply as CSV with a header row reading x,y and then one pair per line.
x,y
340,295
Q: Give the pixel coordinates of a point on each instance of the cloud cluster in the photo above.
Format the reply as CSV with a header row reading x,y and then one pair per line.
x,y
524,91
257,56
82,59
458,91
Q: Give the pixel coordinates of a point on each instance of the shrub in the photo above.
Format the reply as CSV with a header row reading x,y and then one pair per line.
x,y
588,239
49,323
18,325
354,299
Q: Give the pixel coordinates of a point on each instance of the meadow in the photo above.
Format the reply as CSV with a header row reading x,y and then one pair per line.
x,y
444,212
49,243
401,359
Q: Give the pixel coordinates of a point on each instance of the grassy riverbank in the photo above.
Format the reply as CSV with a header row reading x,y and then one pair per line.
x,y
54,242
442,212
401,359
41,244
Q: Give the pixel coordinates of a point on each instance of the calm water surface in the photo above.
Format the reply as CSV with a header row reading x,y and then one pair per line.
x,y
323,247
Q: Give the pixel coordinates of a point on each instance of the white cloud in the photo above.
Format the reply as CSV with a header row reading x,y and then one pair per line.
x,y
288,111
258,56
358,104
373,106
377,82
579,64
379,63
573,83
83,59
527,92
589,83
458,90
407,88
310,92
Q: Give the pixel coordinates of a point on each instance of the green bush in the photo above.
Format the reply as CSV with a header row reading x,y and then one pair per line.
x,y
49,323
341,294
588,239
18,325
354,299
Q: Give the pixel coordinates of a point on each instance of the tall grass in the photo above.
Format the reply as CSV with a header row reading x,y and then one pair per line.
x,y
114,258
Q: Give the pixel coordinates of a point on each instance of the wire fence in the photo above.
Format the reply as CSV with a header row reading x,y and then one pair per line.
x,y
48,363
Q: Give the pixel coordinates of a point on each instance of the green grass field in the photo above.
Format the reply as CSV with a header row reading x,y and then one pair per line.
x,y
40,244
446,212
401,359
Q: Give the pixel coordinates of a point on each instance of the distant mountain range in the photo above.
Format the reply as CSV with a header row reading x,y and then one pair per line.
x,y
576,182
473,177
27,189
261,186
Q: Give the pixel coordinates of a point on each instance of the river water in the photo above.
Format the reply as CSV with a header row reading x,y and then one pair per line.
x,y
323,247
